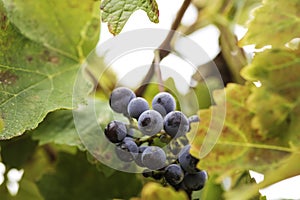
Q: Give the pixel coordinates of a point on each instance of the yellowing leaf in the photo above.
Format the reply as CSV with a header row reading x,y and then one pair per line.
x,y
244,9
273,103
293,135
277,70
117,12
271,112
156,191
275,23
239,146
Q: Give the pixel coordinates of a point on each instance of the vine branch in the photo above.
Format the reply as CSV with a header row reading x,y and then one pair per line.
x,y
163,49
158,71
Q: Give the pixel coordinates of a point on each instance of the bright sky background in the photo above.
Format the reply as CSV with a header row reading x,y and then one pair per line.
x,y
207,39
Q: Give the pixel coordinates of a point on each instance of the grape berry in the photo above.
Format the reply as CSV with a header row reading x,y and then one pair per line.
x,y
154,158
174,174
162,122
176,124
163,103
115,131
137,106
187,161
127,150
120,98
150,122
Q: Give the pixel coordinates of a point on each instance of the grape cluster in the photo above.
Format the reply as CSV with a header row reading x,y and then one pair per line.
x,y
161,122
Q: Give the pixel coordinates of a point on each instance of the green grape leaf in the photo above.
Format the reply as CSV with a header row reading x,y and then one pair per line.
x,y
117,12
74,178
275,23
37,72
59,128
69,27
239,146
83,128
154,190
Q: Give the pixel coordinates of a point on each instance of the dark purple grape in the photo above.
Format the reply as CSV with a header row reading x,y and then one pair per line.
x,y
115,131
127,150
150,122
195,181
120,98
137,106
138,159
154,158
176,124
174,174
163,103
187,161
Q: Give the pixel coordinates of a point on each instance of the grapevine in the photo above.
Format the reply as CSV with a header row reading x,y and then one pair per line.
x,y
72,126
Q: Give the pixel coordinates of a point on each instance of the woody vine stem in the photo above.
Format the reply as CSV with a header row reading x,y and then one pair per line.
x,y
162,51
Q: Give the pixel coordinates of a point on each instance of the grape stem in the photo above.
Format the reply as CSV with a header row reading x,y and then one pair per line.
x,y
158,71
163,50
149,139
